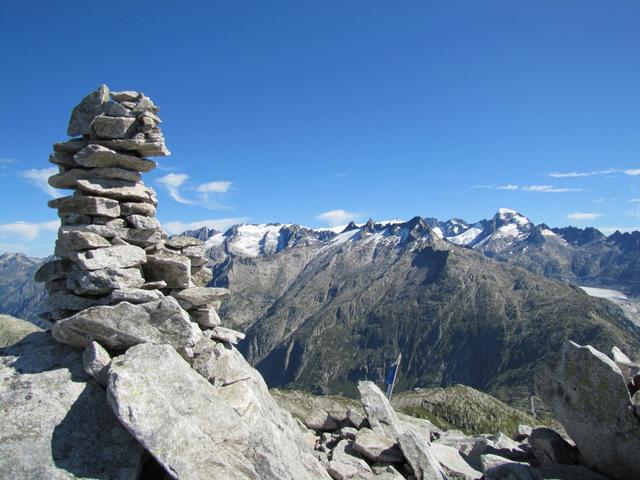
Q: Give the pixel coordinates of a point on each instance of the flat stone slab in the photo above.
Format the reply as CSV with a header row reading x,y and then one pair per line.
x,y
95,155
55,419
98,282
197,297
70,178
125,325
116,256
87,205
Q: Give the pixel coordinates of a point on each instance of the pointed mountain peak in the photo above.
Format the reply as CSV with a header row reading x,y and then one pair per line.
x,y
351,226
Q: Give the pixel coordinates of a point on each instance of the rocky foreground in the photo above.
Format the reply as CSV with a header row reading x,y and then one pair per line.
x,y
149,413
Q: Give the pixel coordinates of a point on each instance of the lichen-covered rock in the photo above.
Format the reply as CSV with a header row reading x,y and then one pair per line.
x,y
195,430
117,256
381,415
86,205
103,281
95,361
174,270
96,155
125,325
84,113
55,419
191,298
587,392
377,447
418,453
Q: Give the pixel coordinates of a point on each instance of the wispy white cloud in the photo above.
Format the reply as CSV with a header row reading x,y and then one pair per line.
x,y
531,188
214,187
26,231
583,216
40,179
173,182
634,200
340,174
211,193
610,230
220,224
608,171
337,217
550,189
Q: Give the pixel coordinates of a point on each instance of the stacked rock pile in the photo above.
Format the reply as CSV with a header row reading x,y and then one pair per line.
x,y
114,265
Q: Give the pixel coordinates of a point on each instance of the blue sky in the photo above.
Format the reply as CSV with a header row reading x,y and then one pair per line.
x,y
323,112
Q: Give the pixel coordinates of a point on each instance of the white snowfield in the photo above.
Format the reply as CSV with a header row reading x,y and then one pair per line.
x,y
465,238
613,295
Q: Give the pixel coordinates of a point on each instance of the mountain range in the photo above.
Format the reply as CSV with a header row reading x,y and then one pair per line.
x,y
482,304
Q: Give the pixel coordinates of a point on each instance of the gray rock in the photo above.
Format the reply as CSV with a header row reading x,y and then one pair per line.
x,y
319,420
386,472
116,256
377,447
64,159
197,251
96,361
356,418
348,432
99,156
195,430
140,146
219,364
454,465
61,300
137,208
201,276
174,270
112,127
125,325
346,464
140,238
135,295
549,447
69,178
195,297
75,219
70,242
568,472
496,468
86,205
155,285
181,242
117,189
125,96
99,282
587,393
381,415
115,109
206,318
523,432
55,420
83,114
142,222
419,455
53,270
225,335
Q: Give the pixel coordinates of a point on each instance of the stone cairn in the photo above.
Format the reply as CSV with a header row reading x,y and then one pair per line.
x,y
111,251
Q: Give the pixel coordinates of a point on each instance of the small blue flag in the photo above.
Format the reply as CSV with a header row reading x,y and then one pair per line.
x,y
391,373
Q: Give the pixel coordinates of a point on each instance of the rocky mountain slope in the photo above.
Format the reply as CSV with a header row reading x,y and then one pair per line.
x,y
341,310
20,295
